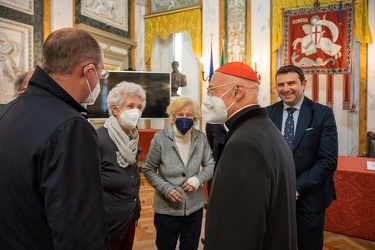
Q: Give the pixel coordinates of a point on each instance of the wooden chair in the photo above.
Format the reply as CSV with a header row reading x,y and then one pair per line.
x,y
370,144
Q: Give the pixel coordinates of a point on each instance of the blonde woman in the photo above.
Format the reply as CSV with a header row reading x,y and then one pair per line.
x,y
173,167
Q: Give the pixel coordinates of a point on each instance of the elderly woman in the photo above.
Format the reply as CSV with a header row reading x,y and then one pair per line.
x,y
173,167
118,145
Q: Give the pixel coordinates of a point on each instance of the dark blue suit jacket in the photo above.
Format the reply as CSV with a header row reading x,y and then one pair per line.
x,y
315,152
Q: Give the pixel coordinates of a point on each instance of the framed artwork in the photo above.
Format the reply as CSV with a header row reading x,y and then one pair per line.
x,y
26,6
16,53
111,12
158,6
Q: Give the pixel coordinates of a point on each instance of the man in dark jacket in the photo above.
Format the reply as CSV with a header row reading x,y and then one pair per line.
x,y
252,198
315,153
50,184
215,136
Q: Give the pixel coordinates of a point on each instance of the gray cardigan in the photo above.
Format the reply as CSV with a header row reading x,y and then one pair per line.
x,y
165,170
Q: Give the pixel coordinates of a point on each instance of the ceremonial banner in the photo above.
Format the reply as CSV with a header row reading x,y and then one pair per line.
x,y
319,39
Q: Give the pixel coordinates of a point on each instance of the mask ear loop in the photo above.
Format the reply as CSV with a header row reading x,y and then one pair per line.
x,y
226,92
87,81
230,106
220,97
118,108
86,67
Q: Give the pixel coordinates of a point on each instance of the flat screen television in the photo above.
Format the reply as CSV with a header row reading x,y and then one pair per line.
x,y
156,84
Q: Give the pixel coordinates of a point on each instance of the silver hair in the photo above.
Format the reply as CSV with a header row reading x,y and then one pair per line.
x,y
116,95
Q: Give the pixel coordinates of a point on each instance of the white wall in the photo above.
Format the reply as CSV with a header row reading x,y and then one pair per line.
x,y
260,46
139,25
61,14
210,32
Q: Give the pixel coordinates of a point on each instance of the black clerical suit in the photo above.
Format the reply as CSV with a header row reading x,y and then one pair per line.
x,y
252,199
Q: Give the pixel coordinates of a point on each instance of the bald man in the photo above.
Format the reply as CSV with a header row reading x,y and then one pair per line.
x,y
252,198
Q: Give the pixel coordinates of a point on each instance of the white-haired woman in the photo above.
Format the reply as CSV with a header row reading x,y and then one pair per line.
x,y
118,145
173,167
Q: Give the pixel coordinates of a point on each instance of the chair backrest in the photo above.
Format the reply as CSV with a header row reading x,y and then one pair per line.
x,y
371,144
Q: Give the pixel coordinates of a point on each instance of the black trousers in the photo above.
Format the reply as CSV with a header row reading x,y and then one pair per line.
x,y
310,228
170,228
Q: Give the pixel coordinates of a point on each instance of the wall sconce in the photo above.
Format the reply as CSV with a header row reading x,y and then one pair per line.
x,y
256,67
203,77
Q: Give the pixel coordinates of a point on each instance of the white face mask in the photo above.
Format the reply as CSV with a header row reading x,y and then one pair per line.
x,y
93,94
214,109
130,117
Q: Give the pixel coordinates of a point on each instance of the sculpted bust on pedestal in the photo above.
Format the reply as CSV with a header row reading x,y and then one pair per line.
x,y
177,79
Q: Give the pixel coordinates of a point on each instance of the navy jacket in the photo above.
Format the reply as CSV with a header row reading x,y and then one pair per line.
x,y
120,186
50,186
315,152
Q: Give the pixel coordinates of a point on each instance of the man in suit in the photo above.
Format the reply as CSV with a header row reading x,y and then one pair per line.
x,y
313,138
215,136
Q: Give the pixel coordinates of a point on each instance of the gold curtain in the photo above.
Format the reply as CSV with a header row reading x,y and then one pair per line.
x,y
164,25
361,29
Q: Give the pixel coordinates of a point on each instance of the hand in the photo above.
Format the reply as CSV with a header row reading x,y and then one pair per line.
x,y
297,194
174,196
187,187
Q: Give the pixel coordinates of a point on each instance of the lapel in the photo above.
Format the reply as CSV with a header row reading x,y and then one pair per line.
x,y
193,144
304,120
277,116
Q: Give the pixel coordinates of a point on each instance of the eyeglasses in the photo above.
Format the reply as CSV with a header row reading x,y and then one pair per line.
x,y
103,73
209,89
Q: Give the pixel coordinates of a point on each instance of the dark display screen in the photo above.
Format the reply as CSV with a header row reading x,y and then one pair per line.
x,y
157,87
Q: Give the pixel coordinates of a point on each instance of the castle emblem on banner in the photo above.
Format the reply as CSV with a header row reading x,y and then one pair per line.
x,y
319,40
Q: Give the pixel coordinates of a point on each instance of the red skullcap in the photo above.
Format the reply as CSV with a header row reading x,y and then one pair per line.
x,y
239,69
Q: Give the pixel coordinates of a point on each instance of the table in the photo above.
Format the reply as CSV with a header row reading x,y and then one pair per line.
x,y
353,212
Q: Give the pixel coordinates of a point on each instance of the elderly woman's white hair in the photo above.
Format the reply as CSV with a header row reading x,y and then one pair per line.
x,y
116,95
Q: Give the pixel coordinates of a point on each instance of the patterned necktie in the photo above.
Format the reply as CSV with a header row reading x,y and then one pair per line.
x,y
289,128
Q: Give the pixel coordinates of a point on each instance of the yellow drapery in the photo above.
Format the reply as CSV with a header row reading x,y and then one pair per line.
x,y
361,29
164,25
